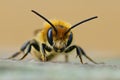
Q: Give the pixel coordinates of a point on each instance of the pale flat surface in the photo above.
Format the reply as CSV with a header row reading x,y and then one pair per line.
x,y
32,70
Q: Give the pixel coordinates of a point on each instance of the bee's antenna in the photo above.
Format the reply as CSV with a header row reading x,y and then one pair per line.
x,y
45,20
81,23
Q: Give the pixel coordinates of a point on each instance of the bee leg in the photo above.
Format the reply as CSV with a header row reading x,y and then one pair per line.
x,y
21,50
77,49
43,58
46,48
79,53
26,53
14,55
83,53
28,47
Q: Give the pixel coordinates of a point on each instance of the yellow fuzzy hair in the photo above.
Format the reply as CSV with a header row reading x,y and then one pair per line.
x,y
57,22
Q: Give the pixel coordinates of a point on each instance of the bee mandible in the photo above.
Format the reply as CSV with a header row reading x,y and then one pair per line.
x,y
55,38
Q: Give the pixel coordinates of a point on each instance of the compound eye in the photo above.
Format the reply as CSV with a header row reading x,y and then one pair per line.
x,y
70,39
50,36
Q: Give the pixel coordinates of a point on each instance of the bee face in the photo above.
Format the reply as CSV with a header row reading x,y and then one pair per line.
x,y
60,40
62,43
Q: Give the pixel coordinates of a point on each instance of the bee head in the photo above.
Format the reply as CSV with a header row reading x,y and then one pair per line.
x,y
60,40
59,34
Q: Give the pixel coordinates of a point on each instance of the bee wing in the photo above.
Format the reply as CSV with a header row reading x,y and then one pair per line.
x,y
37,31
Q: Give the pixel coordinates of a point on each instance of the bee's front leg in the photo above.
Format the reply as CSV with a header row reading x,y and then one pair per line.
x,y
48,57
26,48
45,57
79,53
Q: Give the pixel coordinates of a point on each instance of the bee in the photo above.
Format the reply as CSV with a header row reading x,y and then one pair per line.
x,y
55,38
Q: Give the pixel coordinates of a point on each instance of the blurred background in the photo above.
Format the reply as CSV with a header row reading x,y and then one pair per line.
x,y
99,38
